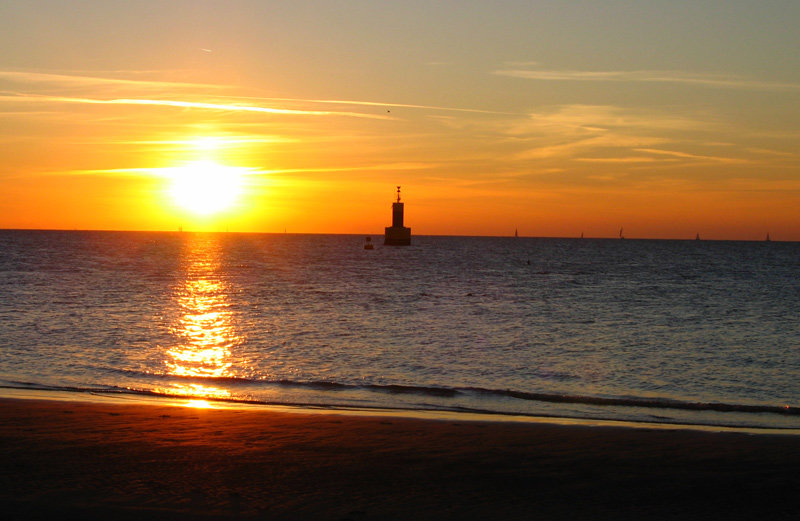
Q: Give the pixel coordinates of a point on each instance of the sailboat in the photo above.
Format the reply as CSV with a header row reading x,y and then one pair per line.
x,y
768,239
620,234
516,233
697,237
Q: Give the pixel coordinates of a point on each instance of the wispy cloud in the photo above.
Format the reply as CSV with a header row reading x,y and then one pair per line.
x,y
385,104
616,160
597,119
106,172
252,171
646,76
227,107
770,152
594,131
368,168
24,86
584,147
217,141
518,64
611,135
694,157
76,80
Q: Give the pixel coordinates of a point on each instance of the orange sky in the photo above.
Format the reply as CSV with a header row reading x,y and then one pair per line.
x,y
666,121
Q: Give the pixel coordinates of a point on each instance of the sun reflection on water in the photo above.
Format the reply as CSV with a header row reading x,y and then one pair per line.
x,y
204,331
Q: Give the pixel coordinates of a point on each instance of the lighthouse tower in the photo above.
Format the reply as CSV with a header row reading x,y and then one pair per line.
x,y
397,234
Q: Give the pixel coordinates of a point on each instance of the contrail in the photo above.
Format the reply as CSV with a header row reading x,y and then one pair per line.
x,y
201,105
380,104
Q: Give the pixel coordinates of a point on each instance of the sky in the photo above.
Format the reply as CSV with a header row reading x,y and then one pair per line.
x,y
667,118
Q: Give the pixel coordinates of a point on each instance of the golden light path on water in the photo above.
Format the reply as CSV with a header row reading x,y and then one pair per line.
x,y
204,330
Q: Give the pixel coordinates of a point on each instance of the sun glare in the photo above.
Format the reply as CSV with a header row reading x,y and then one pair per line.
x,y
206,143
206,187
198,404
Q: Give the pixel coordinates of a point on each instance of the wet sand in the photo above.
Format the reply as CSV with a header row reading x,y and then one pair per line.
x,y
109,461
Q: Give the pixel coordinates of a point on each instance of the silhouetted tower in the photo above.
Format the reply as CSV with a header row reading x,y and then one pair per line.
x,y
397,234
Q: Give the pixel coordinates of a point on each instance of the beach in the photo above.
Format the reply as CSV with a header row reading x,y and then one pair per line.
x,y
95,460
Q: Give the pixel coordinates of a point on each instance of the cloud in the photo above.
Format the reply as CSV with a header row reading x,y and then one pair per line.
x,y
252,171
22,86
770,152
616,160
227,107
138,88
645,76
378,167
73,80
591,145
597,119
521,63
108,172
385,104
695,157
593,131
616,136
217,141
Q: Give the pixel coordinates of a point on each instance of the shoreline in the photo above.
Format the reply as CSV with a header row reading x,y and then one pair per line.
x,y
398,412
91,460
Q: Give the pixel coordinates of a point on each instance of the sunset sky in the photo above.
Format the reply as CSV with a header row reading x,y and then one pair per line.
x,y
665,117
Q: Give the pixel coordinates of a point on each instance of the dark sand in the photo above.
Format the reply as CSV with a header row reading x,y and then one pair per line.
x,y
77,460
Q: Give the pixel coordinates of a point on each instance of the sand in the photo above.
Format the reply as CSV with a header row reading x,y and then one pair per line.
x,y
80,460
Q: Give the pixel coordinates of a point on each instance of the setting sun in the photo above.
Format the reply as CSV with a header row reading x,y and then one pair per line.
x,y
198,404
206,187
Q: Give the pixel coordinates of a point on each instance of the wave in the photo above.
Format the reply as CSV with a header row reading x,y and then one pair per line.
x,y
657,403
322,385
438,392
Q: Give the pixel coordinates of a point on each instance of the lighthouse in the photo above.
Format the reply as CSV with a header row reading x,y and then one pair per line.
x,y
397,234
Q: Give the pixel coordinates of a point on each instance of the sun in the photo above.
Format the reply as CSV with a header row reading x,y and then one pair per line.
x,y
206,187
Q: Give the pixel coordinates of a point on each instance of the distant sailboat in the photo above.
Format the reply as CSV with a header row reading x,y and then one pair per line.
x,y
620,234
581,235
768,239
516,233
697,237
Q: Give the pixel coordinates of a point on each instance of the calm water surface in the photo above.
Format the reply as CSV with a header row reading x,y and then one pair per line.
x,y
667,331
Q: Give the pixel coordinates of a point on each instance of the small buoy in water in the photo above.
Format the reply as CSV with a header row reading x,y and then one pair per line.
x,y
369,245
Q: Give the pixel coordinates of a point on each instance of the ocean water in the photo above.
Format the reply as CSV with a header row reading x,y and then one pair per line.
x,y
687,332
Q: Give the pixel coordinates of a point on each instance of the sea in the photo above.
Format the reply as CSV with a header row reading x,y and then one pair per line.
x,y
695,333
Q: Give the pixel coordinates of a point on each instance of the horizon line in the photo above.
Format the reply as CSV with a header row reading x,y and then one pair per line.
x,y
576,237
